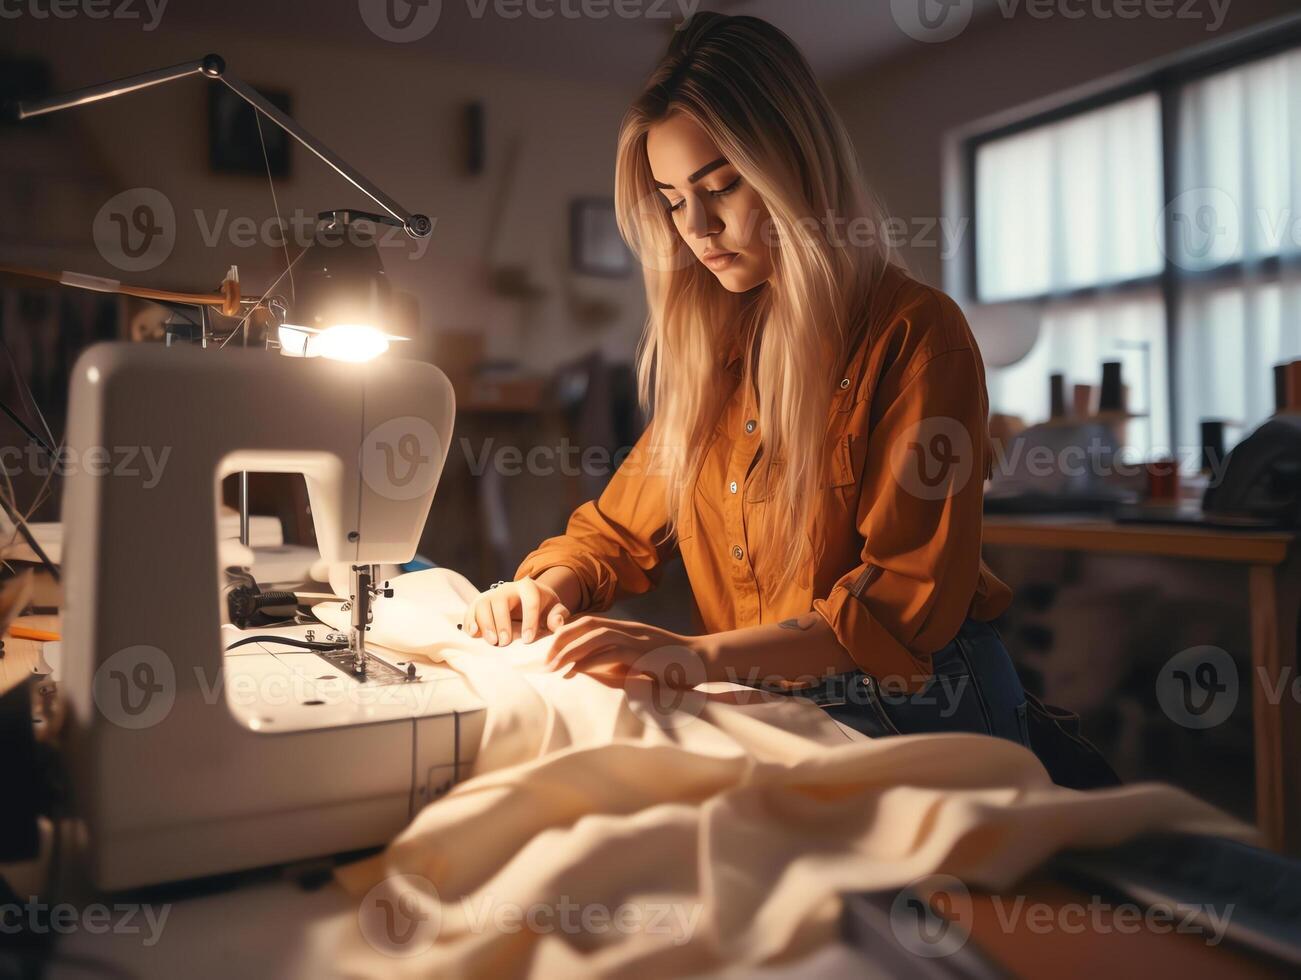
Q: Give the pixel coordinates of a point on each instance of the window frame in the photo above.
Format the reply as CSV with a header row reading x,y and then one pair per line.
x,y
1165,79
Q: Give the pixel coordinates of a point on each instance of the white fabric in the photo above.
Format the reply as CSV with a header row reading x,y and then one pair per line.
x,y
739,822
419,618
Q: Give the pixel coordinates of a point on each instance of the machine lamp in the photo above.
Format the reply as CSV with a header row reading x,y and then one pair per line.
x,y
342,299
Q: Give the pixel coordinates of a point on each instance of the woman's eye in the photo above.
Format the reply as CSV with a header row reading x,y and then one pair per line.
x,y
728,189
721,192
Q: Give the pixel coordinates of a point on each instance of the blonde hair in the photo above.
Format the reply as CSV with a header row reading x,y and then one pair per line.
x,y
747,85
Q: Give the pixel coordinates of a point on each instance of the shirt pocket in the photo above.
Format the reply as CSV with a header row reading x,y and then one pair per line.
x,y
838,471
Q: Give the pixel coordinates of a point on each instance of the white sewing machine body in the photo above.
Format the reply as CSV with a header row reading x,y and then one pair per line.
x,y
187,760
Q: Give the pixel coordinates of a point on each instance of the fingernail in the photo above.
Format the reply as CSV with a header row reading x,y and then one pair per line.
x,y
503,636
528,636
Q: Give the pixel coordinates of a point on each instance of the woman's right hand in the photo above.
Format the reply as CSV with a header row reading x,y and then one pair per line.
x,y
528,600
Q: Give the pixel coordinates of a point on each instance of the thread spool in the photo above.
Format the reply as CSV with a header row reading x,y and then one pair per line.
x,y
1292,389
1082,401
1212,444
1111,398
1163,480
1057,395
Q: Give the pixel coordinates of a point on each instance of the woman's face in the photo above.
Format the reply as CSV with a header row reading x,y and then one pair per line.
x,y
719,216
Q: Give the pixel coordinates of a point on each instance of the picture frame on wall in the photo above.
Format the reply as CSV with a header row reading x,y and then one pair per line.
x,y
234,146
596,247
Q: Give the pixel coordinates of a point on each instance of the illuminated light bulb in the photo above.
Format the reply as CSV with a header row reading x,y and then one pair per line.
x,y
294,341
349,342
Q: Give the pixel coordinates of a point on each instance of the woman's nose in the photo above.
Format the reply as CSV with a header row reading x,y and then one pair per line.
x,y
700,222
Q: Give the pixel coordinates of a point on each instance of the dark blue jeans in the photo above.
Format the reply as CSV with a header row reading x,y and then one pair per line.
x,y
974,688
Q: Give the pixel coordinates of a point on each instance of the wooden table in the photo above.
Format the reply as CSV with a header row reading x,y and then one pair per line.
x,y
1274,574
22,655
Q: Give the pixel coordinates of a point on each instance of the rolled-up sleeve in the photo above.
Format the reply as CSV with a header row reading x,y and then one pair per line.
x,y
618,543
919,514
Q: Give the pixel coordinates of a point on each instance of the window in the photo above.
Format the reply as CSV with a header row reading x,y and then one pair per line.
x,y
1070,205
1237,240
1160,227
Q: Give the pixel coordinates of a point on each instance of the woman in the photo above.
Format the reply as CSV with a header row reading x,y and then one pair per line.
x,y
818,442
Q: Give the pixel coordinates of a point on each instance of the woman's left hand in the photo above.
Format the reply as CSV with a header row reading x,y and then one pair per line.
x,y
613,650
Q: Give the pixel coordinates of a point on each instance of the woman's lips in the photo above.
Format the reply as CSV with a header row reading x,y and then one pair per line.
x,y
719,261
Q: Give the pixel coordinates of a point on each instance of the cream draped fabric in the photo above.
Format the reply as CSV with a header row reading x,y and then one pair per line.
x,y
601,834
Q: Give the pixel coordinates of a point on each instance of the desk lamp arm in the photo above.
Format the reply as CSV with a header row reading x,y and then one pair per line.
x,y
213,66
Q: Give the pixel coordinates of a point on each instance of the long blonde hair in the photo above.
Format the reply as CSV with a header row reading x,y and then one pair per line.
x,y
747,85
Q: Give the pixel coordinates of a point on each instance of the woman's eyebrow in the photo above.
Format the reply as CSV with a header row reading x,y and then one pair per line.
x,y
708,168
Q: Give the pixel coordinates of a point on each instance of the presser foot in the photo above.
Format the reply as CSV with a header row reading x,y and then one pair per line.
x,y
377,671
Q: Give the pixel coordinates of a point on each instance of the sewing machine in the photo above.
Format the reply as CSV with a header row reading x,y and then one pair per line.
x,y
187,759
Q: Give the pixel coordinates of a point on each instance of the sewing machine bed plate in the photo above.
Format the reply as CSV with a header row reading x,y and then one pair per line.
x,y
276,688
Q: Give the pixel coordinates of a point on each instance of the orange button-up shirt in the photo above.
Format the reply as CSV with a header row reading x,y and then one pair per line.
x,y
899,567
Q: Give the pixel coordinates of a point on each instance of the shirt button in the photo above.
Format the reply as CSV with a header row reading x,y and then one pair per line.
x,y
732,486
737,553
844,383
750,426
